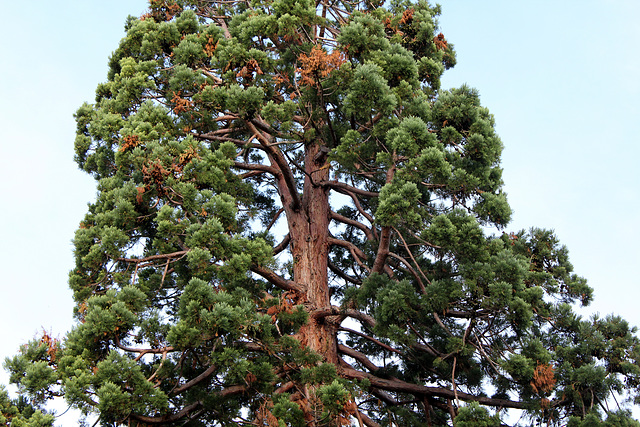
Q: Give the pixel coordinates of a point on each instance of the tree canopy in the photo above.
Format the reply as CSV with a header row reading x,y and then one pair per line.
x,y
296,225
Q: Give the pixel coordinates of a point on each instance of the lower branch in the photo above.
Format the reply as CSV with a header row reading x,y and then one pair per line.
x,y
396,385
355,354
167,419
276,280
348,312
383,250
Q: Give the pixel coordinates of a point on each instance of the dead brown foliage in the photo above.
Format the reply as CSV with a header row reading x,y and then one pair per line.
x,y
543,379
318,64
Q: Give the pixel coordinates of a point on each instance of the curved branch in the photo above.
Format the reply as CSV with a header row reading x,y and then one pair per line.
x,y
337,311
396,385
355,251
406,247
197,380
276,280
411,270
357,224
360,357
341,187
282,245
142,351
184,412
344,276
383,250
283,167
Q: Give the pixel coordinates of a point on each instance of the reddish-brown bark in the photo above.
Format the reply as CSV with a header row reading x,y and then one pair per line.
x,y
309,231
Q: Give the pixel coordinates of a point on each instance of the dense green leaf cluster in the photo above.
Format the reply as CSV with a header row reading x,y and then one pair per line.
x,y
295,225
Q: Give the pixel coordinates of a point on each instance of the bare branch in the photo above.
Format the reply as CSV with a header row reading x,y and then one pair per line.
x,y
256,167
167,419
357,224
275,218
411,270
373,340
348,312
396,385
142,351
238,142
355,251
383,250
276,280
178,254
282,245
406,247
341,187
343,275
285,173
360,357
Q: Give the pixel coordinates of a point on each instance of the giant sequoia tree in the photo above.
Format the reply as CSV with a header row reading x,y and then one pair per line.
x,y
295,225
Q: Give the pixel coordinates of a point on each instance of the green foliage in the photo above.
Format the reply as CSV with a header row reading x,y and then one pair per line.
x,y
614,419
20,413
473,415
295,225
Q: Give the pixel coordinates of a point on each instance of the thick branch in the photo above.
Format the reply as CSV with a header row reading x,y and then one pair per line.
x,y
383,250
276,280
285,172
238,142
167,419
282,245
357,224
255,167
197,380
346,188
142,351
396,385
337,311
360,357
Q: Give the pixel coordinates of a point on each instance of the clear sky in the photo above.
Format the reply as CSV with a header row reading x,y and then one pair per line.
x,y
561,77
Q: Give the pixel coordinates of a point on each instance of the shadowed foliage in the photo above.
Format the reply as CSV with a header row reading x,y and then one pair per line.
x,y
296,226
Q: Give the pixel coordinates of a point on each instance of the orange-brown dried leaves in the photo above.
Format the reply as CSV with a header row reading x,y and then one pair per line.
x,y
247,71
186,156
318,64
440,42
264,417
210,47
288,301
181,104
285,305
155,173
543,379
140,191
162,10
129,141
53,345
407,16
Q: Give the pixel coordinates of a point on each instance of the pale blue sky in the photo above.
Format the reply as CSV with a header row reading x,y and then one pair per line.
x,y
561,78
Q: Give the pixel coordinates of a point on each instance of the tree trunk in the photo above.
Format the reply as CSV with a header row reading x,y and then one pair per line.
x,y
309,231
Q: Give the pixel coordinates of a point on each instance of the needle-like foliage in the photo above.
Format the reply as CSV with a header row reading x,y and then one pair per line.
x,y
297,226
